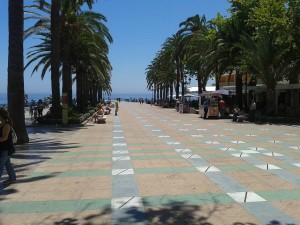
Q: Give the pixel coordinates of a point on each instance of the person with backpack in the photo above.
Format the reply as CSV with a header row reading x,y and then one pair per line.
x,y
6,147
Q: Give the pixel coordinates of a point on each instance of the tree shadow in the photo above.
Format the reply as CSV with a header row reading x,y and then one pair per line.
x,y
172,213
5,190
52,129
90,219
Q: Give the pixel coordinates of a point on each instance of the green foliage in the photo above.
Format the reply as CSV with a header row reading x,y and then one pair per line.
x,y
259,37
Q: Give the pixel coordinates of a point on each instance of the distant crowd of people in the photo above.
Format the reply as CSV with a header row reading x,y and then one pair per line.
x,y
105,107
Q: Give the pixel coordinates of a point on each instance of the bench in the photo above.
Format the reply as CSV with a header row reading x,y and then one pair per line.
x,y
101,119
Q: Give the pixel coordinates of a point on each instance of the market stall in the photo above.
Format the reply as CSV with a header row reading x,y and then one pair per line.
x,y
212,99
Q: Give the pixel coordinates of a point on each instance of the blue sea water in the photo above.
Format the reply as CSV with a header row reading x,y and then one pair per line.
x,y
37,96
128,96
32,96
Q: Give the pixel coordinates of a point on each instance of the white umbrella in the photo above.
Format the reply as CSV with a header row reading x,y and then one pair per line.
x,y
190,95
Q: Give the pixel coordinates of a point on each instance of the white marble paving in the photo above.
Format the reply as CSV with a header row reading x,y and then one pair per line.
x,y
191,156
120,144
205,169
212,142
183,150
120,158
272,154
120,152
268,167
250,151
121,172
238,142
228,149
173,143
240,155
126,202
257,148
246,197
274,141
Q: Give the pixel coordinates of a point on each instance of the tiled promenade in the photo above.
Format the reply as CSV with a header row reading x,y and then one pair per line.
x,y
155,166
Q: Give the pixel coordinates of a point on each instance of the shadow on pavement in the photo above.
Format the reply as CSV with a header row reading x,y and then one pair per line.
x,y
174,213
6,190
52,129
90,219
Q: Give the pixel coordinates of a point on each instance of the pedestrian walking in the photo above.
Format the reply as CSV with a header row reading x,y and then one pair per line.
x,y
222,106
6,147
116,107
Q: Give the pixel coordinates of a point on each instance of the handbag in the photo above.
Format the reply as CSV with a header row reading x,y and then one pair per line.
x,y
14,136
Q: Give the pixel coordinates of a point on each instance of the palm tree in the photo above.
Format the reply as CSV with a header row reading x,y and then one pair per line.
x,y
88,45
175,47
270,61
227,54
196,28
55,28
15,88
161,72
55,58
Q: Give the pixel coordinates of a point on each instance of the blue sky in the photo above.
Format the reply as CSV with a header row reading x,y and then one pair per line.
x,y
139,28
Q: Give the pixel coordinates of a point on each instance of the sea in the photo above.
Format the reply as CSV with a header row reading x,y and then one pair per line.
x,y
36,96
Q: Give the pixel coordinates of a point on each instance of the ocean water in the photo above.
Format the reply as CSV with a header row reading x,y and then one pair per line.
x,y
37,96
128,96
32,96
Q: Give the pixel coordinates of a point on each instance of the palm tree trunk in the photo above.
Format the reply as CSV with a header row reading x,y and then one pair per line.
x,y
171,92
55,59
177,79
199,83
67,73
79,96
99,93
182,86
15,87
85,90
271,101
217,77
239,89
94,94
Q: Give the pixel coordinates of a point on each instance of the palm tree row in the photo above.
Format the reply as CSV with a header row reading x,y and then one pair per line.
x,y
259,38
83,50
73,46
